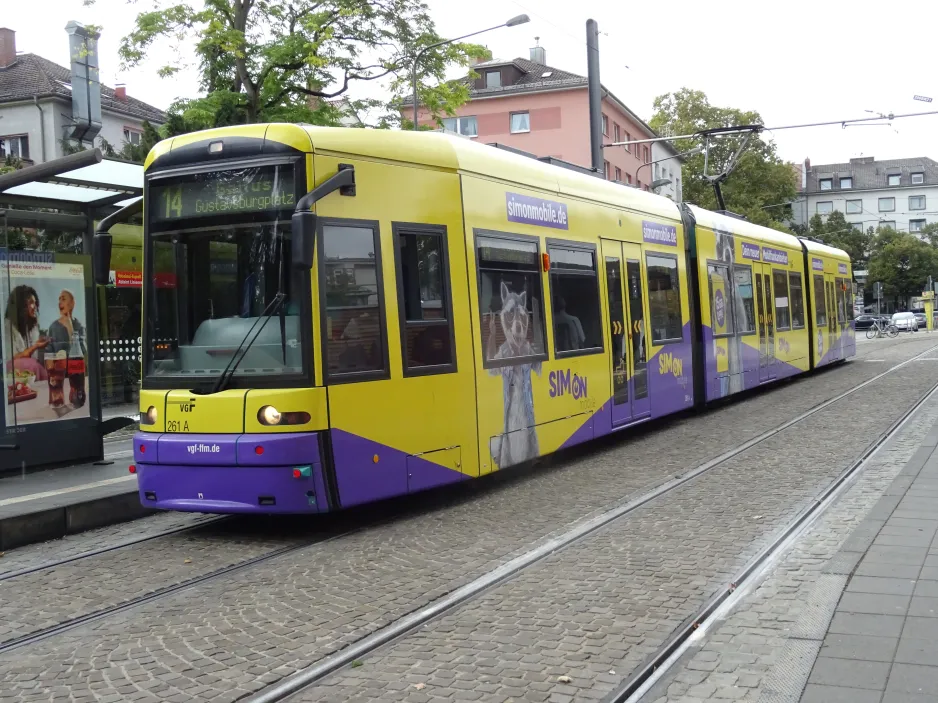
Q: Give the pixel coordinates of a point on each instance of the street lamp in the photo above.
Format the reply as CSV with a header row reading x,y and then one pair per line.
x,y
513,22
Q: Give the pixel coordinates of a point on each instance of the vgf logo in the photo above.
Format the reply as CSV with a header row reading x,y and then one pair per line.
x,y
186,406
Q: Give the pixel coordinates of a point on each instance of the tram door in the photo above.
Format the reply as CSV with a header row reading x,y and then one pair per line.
x,y
766,320
625,291
834,318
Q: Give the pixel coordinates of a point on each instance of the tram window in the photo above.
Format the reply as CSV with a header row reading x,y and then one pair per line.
x,y
796,295
745,305
780,286
820,296
574,289
721,308
664,299
351,276
426,317
510,300
841,301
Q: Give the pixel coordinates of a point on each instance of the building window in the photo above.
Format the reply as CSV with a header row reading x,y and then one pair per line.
x,y
916,202
574,288
825,207
893,179
466,126
132,136
616,133
858,226
645,158
887,204
826,183
618,174
628,178
427,338
916,225
15,146
918,179
510,301
493,79
846,183
854,207
606,170
664,298
628,138
520,122
605,125
888,224
638,183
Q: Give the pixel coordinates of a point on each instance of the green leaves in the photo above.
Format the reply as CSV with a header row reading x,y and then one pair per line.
x,y
902,262
760,181
265,60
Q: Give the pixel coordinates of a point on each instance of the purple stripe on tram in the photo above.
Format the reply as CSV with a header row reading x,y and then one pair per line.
x,y
367,470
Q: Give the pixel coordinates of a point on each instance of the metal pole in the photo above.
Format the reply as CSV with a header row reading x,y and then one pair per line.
x,y
595,94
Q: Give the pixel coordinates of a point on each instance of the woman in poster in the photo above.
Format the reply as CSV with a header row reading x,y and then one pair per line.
x,y
62,331
22,329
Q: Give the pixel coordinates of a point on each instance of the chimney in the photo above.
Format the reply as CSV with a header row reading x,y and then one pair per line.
x,y
807,164
477,60
7,47
538,53
120,91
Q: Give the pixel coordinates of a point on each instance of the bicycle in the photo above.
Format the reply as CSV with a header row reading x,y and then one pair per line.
x,y
877,329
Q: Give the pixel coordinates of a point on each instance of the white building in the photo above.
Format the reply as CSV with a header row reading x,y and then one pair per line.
x,y
666,164
898,193
36,107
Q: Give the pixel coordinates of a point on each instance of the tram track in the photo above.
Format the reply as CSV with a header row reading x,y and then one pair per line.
x,y
306,678
200,524
232,569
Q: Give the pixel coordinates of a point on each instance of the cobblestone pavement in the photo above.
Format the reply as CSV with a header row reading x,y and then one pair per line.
x,y
33,555
220,641
594,612
89,585
765,649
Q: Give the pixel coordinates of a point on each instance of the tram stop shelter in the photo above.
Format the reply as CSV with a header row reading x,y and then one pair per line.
x,y
70,350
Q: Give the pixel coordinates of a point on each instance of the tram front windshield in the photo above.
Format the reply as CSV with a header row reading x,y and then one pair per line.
x,y
219,252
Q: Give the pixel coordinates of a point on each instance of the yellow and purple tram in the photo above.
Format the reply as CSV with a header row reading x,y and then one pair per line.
x,y
338,316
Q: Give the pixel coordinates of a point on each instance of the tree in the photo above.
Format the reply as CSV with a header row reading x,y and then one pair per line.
x,y
837,232
760,182
903,263
283,60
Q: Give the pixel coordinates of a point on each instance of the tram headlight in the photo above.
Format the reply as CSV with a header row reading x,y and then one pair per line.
x,y
149,417
268,415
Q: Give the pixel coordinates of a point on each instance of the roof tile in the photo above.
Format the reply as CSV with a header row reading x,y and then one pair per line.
x,y
32,75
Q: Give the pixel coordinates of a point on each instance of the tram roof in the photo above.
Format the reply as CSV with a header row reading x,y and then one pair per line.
x,y
818,248
715,220
439,150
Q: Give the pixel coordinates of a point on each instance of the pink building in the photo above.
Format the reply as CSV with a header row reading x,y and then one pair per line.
x,y
528,105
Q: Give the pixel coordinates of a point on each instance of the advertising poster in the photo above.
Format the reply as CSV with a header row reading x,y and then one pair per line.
x,y
45,339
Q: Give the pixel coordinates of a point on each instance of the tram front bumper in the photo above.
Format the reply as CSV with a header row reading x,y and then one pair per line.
x,y
230,473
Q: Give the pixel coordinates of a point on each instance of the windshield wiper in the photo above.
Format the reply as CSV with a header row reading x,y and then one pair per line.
x,y
232,366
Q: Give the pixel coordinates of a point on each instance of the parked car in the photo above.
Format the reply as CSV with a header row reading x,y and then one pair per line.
x,y
921,319
905,321
865,321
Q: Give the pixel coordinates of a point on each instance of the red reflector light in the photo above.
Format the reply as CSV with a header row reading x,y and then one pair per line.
x,y
258,450
143,448
297,473
133,469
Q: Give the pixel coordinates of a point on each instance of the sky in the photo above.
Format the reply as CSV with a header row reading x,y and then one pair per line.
x,y
798,62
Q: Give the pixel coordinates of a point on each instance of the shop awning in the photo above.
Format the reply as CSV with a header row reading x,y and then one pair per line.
x,y
82,179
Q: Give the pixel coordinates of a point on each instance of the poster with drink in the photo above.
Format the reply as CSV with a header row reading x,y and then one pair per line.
x,y
45,337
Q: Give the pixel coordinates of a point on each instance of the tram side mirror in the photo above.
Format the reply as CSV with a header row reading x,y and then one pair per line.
x,y
303,235
101,258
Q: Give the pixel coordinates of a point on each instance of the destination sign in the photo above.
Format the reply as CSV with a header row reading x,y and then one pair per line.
x,y
243,190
